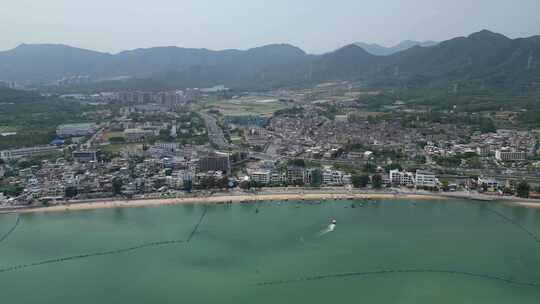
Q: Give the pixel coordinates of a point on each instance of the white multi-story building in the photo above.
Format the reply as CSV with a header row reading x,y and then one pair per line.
x,y
402,178
84,156
138,135
184,175
347,179
277,177
261,176
168,145
175,183
295,174
28,152
426,179
332,178
483,150
508,155
80,129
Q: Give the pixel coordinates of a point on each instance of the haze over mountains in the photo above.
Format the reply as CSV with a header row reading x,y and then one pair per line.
x,y
481,59
379,50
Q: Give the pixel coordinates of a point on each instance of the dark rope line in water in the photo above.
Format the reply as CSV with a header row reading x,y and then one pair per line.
x,y
90,255
517,224
11,230
401,271
104,253
423,271
196,228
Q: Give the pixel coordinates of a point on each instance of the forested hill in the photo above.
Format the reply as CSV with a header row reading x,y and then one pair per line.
x,y
481,60
11,96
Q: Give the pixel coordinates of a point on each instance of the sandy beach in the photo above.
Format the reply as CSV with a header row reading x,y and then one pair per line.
x,y
524,204
258,197
217,199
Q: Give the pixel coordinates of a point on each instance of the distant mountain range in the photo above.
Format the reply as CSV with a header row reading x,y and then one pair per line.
x,y
483,59
42,63
376,49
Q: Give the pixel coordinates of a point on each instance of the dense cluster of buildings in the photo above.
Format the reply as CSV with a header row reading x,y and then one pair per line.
x,y
163,167
154,159
503,145
169,98
268,174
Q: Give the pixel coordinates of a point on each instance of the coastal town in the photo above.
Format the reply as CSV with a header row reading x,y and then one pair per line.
x,y
266,152
173,144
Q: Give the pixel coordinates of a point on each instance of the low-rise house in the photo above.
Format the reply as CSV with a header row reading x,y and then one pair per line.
x,y
488,183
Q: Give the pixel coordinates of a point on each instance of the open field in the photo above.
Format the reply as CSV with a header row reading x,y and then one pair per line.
x,y
246,107
7,129
116,148
110,135
365,114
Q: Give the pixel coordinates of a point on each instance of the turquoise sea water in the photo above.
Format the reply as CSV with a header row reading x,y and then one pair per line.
x,y
385,252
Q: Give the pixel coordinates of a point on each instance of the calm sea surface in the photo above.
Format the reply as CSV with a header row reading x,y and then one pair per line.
x,y
384,252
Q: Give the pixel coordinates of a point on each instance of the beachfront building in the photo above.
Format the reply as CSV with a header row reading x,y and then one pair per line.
x,y
277,177
332,178
402,178
426,179
215,162
295,175
261,176
488,183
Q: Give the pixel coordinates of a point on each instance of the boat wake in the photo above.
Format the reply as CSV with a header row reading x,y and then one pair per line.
x,y
329,229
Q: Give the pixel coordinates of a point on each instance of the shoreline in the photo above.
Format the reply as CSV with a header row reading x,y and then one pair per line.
x,y
223,198
217,199
523,204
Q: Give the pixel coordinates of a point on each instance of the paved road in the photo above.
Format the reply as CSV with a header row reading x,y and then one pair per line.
x,y
215,133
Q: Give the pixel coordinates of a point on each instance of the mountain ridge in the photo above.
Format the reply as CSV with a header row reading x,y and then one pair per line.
x,y
379,50
483,58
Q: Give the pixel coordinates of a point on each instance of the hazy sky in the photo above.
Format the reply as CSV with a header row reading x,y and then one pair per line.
x,y
315,25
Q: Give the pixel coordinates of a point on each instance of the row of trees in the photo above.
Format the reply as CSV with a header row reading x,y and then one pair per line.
x,y
523,189
362,181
